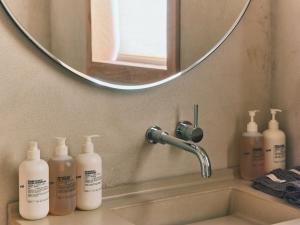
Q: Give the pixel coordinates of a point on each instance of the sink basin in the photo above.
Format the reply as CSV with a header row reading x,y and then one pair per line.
x,y
184,200
232,206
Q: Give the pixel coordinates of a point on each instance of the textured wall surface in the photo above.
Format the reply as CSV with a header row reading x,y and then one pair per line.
x,y
39,100
286,72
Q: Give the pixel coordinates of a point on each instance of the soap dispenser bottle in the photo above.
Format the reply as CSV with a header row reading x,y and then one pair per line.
x,y
33,185
251,154
62,180
274,144
89,176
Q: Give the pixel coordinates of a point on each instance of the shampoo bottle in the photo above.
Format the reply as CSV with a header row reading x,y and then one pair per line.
x,y
62,180
89,177
33,185
251,154
274,144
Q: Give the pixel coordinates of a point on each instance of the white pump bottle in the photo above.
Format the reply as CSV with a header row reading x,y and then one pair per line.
x,y
251,153
33,185
274,145
89,177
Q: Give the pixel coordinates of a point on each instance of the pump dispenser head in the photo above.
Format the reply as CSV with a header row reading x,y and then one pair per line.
x,y
33,151
88,146
252,126
273,124
61,147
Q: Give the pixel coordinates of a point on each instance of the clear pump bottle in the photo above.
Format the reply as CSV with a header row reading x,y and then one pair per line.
x,y
251,153
62,180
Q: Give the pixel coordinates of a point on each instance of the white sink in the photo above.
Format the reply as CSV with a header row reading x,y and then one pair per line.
x,y
220,207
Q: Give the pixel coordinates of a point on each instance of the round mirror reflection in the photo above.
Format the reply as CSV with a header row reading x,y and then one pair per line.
x,y
133,43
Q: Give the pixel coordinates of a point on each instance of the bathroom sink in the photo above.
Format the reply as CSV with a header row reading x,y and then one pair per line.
x,y
232,206
185,200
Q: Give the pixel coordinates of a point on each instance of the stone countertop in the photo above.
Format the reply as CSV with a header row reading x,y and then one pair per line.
x,y
133,194
292,222
100,216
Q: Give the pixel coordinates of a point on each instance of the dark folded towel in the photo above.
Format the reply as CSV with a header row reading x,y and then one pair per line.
x,y
293,197
276,186
295,172
293,193
281,183
293,186
283,175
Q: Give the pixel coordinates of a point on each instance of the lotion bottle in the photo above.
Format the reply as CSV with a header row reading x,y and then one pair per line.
x,y
33,185
274,144
251,154
89,177
62,180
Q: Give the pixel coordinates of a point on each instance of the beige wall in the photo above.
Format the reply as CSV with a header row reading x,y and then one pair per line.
x,y
286,72
39,100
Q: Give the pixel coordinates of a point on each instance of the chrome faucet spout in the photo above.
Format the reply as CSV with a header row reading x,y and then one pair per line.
x,y
156,135
202,157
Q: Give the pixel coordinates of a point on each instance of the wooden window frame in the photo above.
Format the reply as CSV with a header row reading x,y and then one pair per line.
x,y
137,74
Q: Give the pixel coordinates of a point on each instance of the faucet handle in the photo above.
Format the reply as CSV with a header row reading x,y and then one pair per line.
x,y
187,131
196,116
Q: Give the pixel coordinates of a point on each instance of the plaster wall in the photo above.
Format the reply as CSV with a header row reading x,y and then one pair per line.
x,y
286,72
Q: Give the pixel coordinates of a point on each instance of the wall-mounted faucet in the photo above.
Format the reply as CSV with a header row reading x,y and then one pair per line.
x,y
156,135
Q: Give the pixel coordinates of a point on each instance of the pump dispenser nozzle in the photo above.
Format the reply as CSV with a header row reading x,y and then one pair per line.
x,y
88,146
33,152
61,148
33,145
252,126
273,124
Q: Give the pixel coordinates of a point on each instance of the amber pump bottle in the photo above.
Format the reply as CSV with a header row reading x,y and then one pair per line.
x,y
252,162
62,180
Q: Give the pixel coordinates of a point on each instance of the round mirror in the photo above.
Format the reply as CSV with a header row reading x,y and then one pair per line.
x,y
127,44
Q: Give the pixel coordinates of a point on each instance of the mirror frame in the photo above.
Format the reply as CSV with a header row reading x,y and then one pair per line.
x,y
113,85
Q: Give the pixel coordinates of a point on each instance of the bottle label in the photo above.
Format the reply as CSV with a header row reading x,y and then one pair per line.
x,y
257,157
92,181
65,187
37,190
279,153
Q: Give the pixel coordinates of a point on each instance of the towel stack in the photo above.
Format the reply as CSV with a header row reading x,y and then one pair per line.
x,y
281,183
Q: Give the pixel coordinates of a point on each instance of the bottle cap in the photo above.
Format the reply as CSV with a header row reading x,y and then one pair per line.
x,y
33,151
88,146
61,148
273,124
252,126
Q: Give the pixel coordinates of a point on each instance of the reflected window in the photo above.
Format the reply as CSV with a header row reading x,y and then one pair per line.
x,y
133,34
143,30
